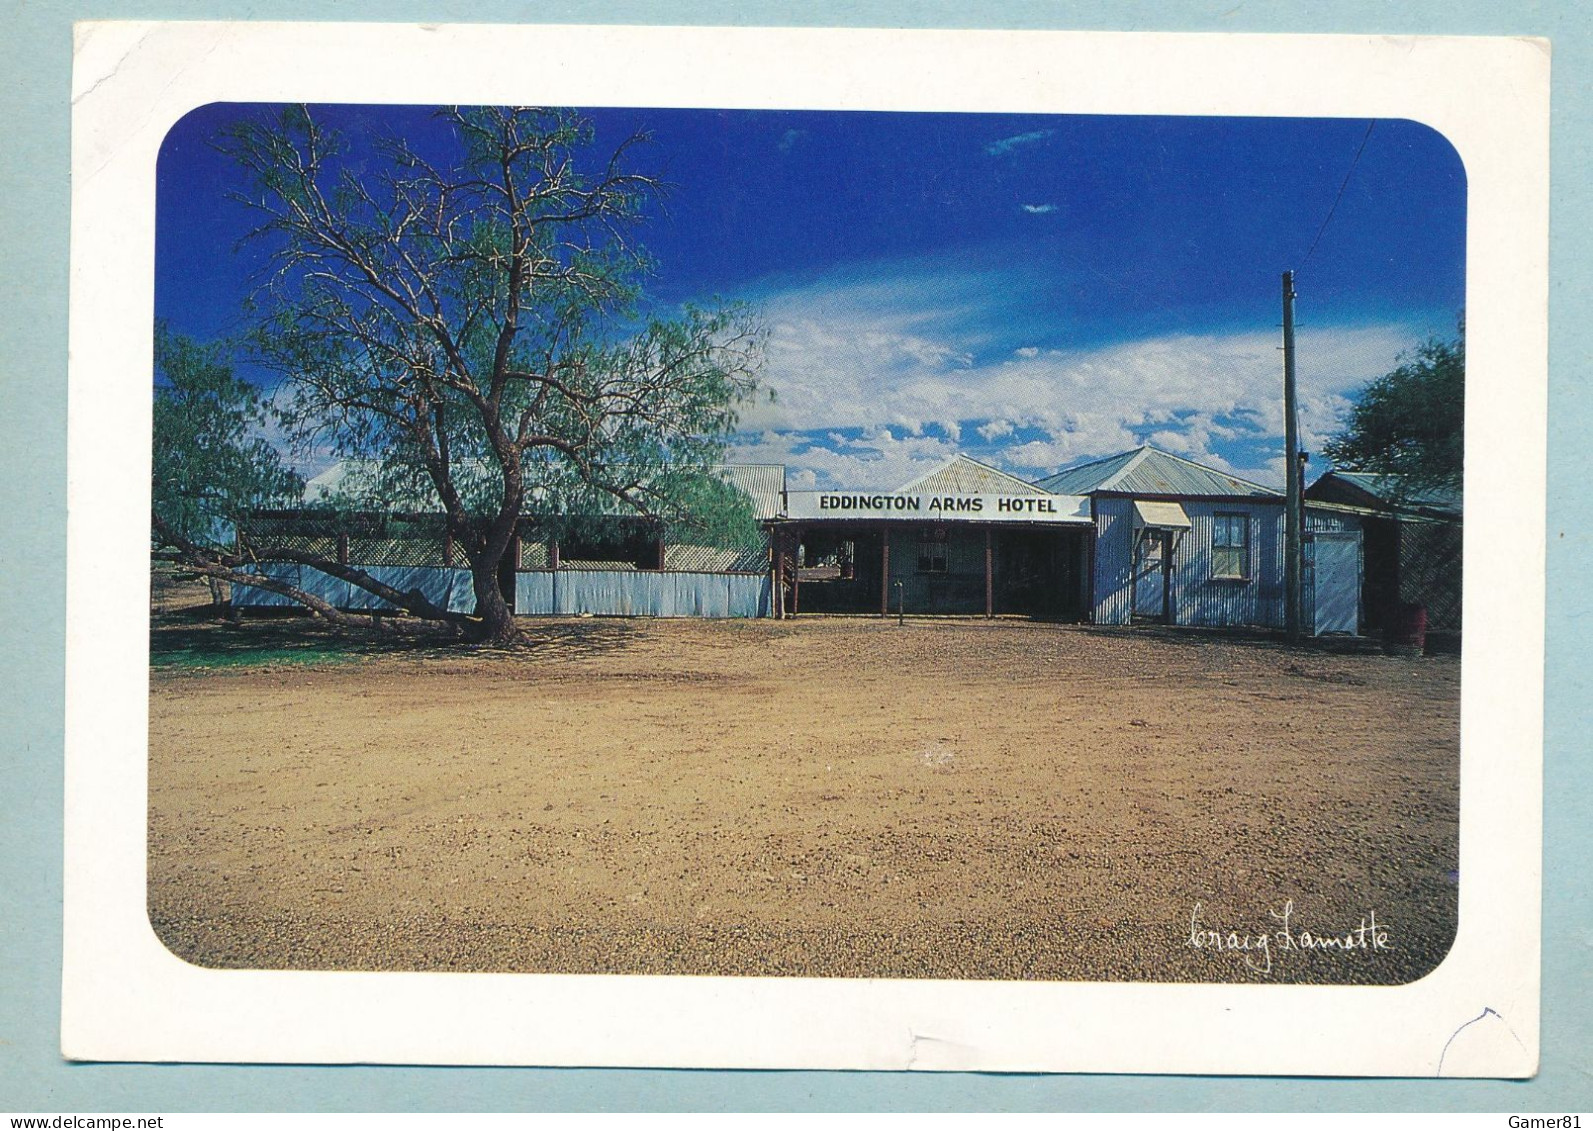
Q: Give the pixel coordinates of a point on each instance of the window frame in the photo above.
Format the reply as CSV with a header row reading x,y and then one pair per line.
x,y
930,553
1221,549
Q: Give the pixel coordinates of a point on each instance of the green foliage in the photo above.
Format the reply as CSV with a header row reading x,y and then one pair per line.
x,y
710,512
1410,423
211,463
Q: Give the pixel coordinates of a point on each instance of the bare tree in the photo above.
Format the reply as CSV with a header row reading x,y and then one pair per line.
x,y
476,321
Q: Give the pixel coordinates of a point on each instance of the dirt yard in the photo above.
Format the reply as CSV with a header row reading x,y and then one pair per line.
x,y
838,797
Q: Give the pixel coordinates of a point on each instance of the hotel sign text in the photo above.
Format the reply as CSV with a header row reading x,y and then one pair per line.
x,y
894,505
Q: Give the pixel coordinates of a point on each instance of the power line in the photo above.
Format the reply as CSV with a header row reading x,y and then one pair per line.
x,y
1329,219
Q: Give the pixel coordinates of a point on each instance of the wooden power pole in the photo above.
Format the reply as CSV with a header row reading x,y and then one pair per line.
x,y
1292,534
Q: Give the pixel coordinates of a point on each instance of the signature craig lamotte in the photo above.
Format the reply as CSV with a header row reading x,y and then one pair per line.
x,y
1257,949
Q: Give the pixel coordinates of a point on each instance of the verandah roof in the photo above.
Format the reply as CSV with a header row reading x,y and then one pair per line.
x,y
1160,516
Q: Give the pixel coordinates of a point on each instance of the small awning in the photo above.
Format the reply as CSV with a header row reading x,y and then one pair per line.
x,y
1159,516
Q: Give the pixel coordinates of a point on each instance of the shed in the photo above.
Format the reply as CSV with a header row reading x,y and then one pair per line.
x,y
1413,544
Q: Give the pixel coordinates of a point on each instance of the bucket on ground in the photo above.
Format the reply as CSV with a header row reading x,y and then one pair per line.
x,y
1408,634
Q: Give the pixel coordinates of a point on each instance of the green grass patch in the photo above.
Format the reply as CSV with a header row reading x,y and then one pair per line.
x,y
252,646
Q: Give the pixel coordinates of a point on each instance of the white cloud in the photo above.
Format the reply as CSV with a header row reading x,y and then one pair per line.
x,y
880,459
1006,145
308,457
1179,443
1039,458
912,366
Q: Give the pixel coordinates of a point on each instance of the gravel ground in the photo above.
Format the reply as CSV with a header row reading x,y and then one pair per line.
x,y
832,797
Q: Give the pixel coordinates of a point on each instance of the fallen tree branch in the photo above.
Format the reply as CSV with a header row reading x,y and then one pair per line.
x,y
213,563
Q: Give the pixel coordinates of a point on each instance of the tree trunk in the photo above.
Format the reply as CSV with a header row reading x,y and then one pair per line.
x,y
494,620
494,623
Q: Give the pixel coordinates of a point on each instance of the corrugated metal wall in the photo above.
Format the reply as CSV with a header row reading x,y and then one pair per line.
x,y
1331,521
444,587
1114,561
642,593
1199,598
1327,522
687,558
542,593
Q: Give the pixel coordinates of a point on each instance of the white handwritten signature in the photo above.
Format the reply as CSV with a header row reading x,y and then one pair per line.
x,y
1257,949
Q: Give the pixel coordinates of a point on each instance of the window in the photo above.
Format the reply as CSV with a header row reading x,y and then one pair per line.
x,y
932,552
1230,546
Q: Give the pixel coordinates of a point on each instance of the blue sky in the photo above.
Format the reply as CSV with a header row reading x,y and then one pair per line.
x,y
1031,290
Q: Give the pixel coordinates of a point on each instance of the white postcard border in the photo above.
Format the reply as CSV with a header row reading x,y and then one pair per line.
x,y
125,997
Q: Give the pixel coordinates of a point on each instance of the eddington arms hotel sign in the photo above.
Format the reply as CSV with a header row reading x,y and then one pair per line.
x,y
896,506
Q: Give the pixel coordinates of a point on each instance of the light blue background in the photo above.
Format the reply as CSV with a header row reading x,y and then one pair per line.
x,y
35,69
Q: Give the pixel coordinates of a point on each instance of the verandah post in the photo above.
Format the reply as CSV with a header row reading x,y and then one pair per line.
x,y
796,573
990,591
776,574
884,571
1167,577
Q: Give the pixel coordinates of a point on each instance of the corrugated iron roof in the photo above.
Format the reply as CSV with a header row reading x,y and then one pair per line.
x,y
764,483
1151,471
1087,477
964,476
1390,489
362,479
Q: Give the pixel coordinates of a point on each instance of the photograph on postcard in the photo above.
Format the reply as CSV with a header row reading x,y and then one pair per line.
x,y
827,543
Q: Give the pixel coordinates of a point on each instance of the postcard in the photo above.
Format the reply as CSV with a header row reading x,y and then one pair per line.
x,y
781,548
